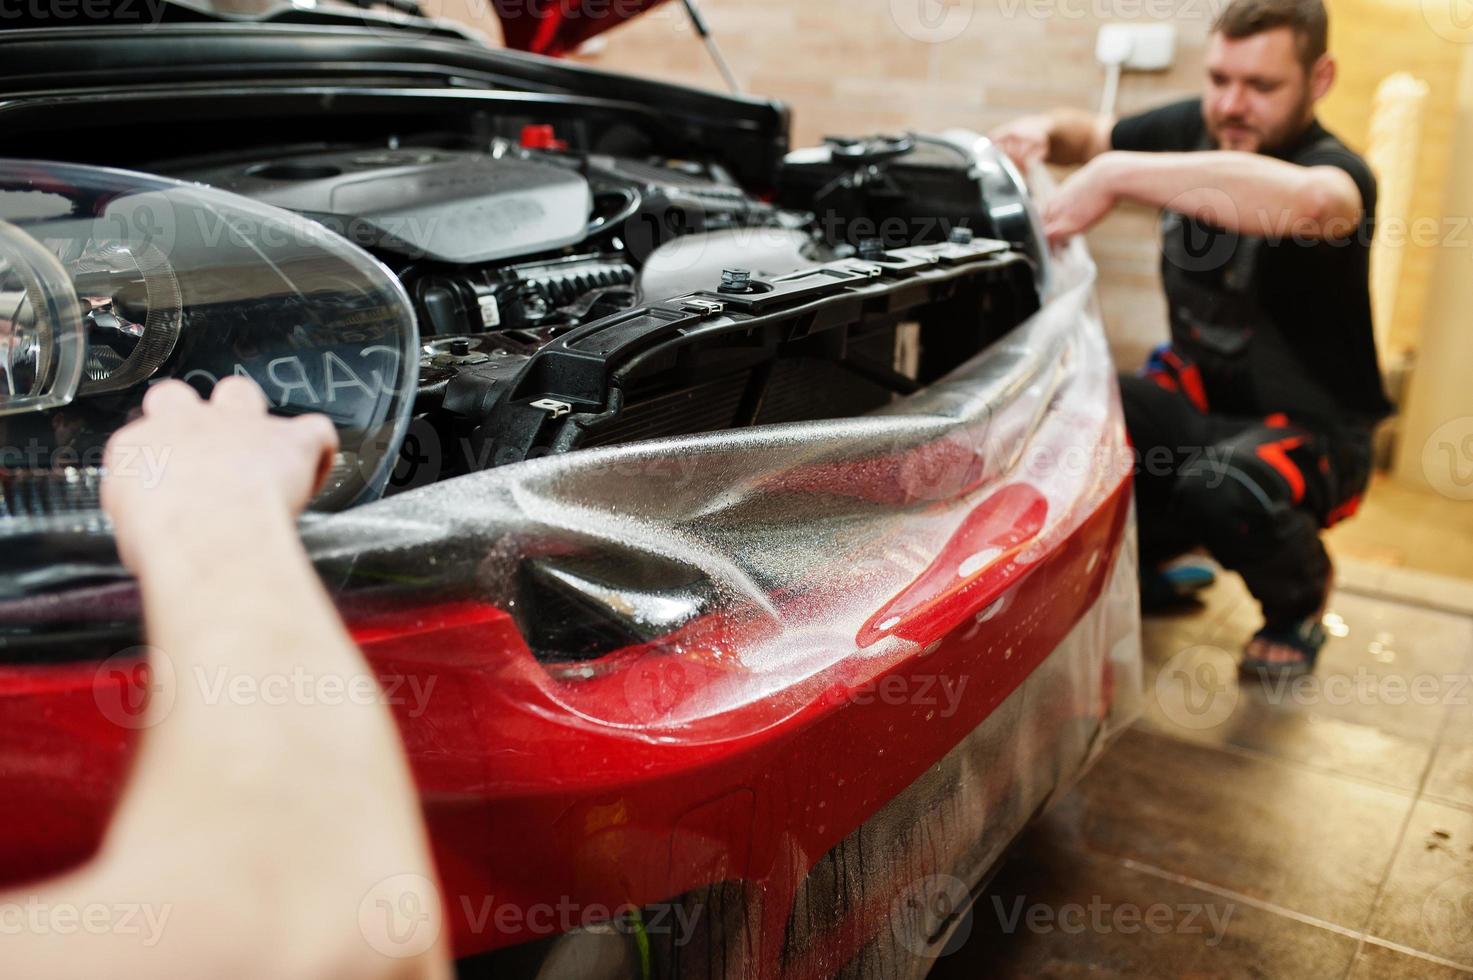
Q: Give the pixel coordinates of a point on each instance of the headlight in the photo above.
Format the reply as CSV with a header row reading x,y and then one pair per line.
x,y
41,340
111,281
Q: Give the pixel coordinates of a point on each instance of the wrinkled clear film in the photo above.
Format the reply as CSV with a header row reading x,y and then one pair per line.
x,y
705,587
111,281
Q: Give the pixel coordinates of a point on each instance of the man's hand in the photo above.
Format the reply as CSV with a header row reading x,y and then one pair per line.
x,y
185,456
1081,201
1024,140
1062,136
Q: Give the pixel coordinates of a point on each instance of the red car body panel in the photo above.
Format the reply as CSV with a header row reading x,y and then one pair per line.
x,y
528,808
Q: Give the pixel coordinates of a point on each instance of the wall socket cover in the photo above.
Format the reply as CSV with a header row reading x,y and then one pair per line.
x,y
1137,47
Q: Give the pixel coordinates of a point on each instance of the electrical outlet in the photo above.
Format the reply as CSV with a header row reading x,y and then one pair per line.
x,y
1137,47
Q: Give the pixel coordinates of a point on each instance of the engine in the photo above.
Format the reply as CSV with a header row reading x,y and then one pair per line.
x,y
512,254
530,300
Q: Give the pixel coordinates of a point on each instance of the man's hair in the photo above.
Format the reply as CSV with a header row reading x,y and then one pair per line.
x,y
1306,18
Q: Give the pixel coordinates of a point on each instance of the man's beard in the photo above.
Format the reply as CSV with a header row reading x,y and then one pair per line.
x,y
1273,140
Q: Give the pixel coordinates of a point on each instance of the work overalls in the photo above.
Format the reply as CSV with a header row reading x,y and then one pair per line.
x,y
1240,449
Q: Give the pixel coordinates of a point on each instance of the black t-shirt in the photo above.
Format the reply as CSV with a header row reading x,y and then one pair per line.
x,y
1279,324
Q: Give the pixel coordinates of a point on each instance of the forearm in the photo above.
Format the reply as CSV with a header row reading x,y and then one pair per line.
x,y
1243,192
318,777
254,823
1077,136
238,624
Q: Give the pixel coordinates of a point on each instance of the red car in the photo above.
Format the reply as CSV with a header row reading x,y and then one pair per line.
x,y
740,534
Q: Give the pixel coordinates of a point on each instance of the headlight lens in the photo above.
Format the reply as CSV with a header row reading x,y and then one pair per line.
x,y
41,341
111,281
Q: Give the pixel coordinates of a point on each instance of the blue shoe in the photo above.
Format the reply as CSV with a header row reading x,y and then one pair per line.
x,y
1175,585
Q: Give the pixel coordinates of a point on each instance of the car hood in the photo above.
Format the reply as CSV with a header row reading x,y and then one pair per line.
x,y
547,27
555,27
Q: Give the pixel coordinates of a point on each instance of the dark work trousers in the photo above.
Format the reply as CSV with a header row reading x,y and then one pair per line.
x,y
1254,491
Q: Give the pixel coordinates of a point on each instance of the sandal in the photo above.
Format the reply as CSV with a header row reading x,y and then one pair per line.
x,y
1307,637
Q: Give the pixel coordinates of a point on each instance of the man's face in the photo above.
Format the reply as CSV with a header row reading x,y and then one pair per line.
x,y
1259,96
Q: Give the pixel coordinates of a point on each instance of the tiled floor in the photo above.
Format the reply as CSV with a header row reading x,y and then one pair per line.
x,y
1409,527
1244,830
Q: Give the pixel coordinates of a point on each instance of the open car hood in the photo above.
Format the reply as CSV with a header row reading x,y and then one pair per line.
x,y
546,27
555,27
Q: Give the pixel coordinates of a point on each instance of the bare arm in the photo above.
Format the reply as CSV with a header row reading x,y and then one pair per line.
x,y
1244,192
1060,136
253,828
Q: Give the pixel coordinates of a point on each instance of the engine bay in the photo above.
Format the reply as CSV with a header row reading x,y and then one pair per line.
x,y
568,300
562,299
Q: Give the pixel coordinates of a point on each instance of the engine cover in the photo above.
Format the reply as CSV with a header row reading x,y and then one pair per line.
x,y
446,205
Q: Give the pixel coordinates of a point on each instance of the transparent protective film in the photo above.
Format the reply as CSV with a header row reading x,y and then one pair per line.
x,y
808,680
709,586
111,281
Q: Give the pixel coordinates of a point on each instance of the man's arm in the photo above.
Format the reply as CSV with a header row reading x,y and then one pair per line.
x,y
1060,136
1244,192
253,829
